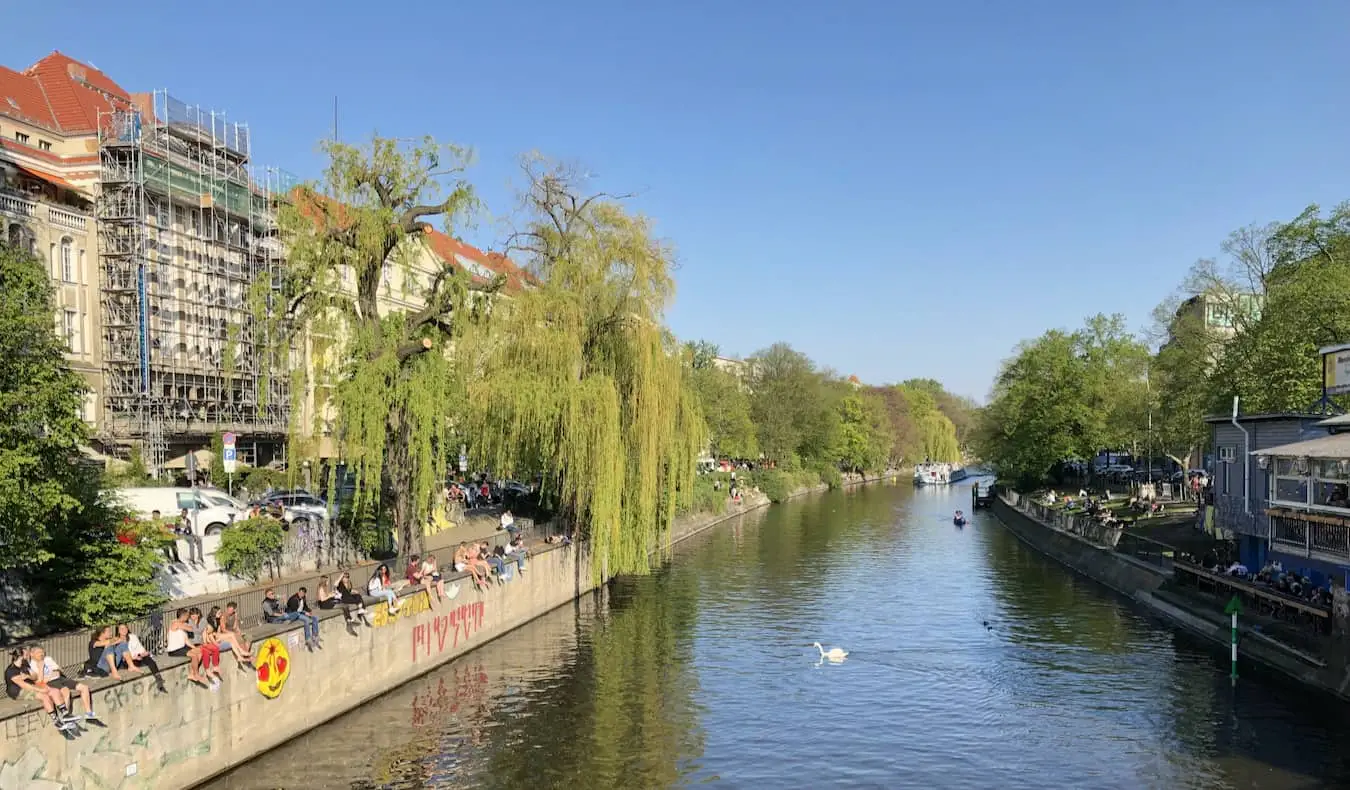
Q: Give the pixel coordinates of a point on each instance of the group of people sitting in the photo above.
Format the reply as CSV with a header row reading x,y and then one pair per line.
x,y
1274,576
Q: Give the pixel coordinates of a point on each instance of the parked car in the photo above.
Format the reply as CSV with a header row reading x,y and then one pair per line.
x,y
1120,469
213,510
295,505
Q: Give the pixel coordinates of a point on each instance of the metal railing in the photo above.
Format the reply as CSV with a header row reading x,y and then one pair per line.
x,y
1146,549
71,649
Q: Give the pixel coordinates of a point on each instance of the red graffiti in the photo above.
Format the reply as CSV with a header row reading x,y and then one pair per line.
x,y
470,687
429,638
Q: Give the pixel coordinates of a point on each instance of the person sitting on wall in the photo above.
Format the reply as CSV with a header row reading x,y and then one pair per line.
x,y
19,684
209,643
465,561
106,651
180,644
46,674
348,597
297,608
381,586
431,577
228,637
508,523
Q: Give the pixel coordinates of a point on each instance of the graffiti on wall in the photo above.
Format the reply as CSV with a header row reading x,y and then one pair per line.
x,y
138,757
467,687
432,637
274,666
410,606
25,772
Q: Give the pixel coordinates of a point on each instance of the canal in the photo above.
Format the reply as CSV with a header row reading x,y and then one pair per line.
x,y
974,662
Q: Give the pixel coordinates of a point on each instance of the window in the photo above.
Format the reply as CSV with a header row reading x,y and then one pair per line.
x,y
67,260
70,330
1331,482
84,273
1227,454
90,412
45,145
21,137
1289,481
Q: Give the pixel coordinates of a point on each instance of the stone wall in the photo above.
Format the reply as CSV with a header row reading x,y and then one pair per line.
x,y
182,734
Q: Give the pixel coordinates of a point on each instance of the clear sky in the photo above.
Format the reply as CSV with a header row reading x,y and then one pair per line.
x,y
898,189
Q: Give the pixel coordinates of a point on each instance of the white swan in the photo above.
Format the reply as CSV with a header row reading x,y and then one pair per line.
x,y
833,654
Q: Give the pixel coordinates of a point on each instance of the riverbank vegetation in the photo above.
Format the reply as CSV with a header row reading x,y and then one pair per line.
x,y
1246,325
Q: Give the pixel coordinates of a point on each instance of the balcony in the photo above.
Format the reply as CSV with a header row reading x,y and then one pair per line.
x,y
16,206
1309,497
68,220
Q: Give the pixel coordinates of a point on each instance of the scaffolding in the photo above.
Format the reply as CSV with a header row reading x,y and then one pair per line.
x,y
188,255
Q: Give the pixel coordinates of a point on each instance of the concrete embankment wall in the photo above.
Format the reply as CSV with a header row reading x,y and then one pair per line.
x,y
1142,582
184,734
181,734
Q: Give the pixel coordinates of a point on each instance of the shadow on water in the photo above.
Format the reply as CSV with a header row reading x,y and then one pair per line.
x,y
974,662
1262,732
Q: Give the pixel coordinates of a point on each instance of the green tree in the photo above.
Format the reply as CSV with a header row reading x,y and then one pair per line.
x,y
864,433
390,375
792,406
726,407
579,380
961,411
55,527
702,354
40,427
934,435
905,443
218,475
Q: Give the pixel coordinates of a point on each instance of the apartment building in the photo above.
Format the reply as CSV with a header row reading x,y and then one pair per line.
x,y
157,231
48,174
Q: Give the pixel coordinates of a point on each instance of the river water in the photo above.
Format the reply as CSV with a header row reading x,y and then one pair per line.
x,y
974,662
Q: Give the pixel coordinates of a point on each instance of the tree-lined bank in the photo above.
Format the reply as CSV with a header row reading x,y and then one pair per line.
x,y
1248,325
557,367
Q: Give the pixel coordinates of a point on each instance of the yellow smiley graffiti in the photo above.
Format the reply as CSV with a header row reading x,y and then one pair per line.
x,y
274,666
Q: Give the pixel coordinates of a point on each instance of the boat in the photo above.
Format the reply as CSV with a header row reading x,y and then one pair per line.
x,y
959,519
957,475
982,493
931,474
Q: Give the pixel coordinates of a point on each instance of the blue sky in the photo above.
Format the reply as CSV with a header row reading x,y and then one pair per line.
x,y
898,189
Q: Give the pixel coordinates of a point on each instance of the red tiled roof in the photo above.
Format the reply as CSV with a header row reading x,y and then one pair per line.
x,y
447,248
21,96
60,93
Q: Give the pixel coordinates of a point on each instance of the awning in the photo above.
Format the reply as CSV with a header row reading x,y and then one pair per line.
x,y
50,178
204,459
1339,421
1337,446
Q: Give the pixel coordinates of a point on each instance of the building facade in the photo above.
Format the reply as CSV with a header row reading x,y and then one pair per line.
x,y
1292,506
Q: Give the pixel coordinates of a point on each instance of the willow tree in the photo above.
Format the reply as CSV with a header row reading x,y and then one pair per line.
x,y
379,378
579,381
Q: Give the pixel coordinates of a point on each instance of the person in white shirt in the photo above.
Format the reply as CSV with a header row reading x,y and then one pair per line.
x,y
46,674
509,523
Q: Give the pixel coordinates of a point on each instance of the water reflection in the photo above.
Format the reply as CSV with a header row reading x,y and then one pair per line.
x,y
974,662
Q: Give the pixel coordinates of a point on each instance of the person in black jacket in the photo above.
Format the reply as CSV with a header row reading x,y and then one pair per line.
x,y
297,608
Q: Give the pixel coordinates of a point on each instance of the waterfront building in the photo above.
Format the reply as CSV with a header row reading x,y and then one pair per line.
x,y
1280,484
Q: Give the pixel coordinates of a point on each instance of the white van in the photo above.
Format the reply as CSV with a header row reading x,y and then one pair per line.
x,y
214,509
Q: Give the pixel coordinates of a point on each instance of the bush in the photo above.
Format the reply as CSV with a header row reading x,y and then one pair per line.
x,y
250,546
830,476
260,479
775,485
706,499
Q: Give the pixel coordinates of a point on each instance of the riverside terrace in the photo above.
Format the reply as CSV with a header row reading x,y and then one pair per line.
x,y
71,650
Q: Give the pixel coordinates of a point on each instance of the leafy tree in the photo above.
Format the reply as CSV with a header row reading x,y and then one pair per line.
x,y
218,475
726,407
934,434
792,406
579,380
55,527
905,442
702,354
961,411
390,375
864,433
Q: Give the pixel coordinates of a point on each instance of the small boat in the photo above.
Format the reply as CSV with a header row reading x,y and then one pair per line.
x,y
931,474
957,475
959,519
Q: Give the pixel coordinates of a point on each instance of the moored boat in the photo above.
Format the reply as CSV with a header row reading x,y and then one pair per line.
x,y
931,474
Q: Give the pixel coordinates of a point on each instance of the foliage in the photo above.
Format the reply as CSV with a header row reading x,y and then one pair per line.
x,y
578,379
259,479
934,434
91,577
706,498
40,427
726,407
774,484
390,376
248,547
793,406
864,433
831,476
960,411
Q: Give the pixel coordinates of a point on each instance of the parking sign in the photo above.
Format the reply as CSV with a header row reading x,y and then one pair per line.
x,y
229,458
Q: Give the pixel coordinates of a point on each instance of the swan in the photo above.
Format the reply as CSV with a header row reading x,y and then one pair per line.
x,y
833,654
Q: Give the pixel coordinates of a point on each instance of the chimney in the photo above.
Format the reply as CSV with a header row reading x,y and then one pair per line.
x,y
76,71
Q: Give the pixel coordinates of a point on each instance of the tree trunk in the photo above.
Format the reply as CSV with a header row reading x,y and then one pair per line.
x,y
398,481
